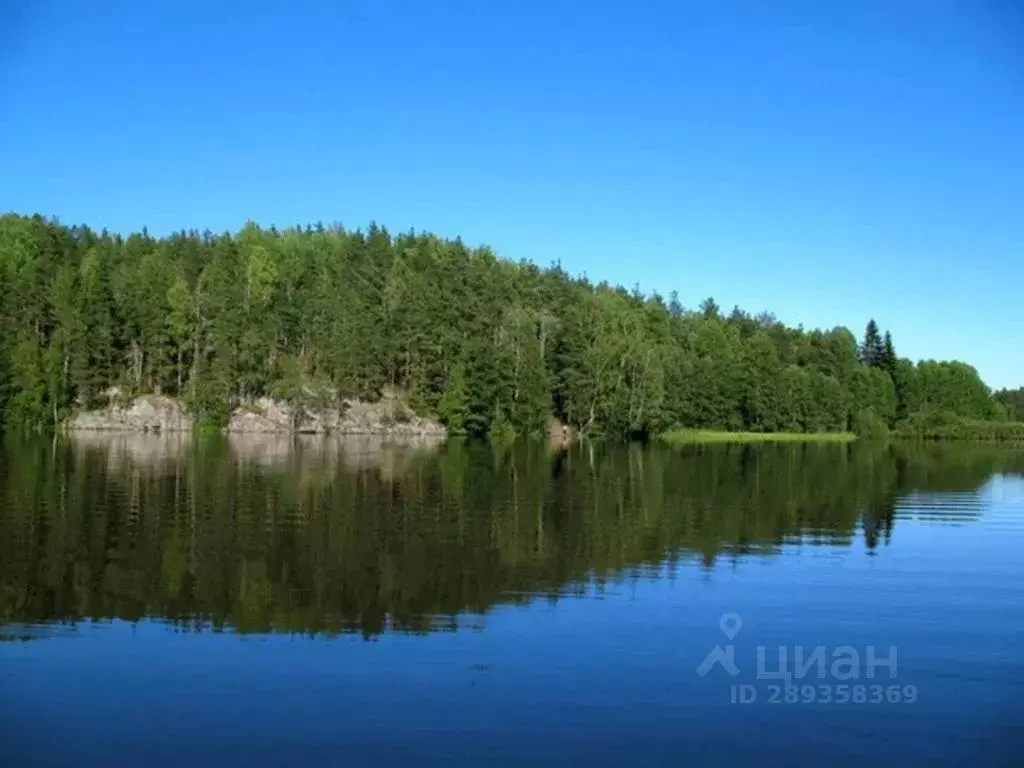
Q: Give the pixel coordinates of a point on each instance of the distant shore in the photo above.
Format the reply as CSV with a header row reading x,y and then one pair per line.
x,y
679,436
1010,436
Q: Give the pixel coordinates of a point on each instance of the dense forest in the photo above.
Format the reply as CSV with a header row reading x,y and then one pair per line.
x,y
1013,402
488,346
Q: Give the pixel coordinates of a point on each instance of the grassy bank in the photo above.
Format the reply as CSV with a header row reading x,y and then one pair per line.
x,y
679,436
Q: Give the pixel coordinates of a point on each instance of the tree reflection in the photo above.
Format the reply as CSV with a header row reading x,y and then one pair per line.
x,y
338,538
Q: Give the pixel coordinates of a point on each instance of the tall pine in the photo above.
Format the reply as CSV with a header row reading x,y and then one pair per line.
x,y
872,349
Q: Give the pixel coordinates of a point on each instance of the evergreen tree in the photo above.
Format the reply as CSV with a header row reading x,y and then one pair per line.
x,y
872,350
888,357
709,309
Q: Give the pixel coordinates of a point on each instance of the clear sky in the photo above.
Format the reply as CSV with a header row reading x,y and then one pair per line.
x,y
829,161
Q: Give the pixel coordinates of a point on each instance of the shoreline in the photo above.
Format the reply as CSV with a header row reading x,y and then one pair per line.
x,y
683,436
707,436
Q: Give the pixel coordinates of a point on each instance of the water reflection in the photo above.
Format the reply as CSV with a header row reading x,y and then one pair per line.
x,y
163,452
322,536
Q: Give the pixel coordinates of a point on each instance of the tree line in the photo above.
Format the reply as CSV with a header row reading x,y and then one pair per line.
x,y
487,345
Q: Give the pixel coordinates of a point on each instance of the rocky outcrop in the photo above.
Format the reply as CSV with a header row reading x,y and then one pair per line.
x,y
389,416
149,413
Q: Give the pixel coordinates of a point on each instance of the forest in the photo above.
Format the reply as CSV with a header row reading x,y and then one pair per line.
x,y
489,346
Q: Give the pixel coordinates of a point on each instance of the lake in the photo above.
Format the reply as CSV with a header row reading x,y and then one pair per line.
x,y
179,601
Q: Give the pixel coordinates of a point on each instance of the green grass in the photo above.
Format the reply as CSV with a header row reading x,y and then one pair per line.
x,y
679,436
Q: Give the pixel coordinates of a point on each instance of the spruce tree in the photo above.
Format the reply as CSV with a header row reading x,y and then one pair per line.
x,y
872,349
888,361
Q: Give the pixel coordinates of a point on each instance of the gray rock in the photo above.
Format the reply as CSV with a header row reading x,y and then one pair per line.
x,y
149,413
388,417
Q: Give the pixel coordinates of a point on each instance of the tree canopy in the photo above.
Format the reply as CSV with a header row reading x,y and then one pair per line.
x,y
485,344
1013,401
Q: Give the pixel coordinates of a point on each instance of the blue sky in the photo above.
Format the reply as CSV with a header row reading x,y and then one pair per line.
x,y
828,161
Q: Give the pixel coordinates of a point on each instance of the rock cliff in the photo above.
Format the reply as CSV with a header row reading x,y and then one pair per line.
x,y
155,413
149,413
388,416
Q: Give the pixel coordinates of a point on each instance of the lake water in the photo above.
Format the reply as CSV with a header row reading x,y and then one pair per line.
x,y
167,601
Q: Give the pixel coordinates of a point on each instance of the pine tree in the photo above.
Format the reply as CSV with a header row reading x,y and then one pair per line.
x,y
872,350
709,308
675,308
888,356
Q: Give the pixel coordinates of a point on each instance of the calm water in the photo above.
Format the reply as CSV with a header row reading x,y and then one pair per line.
x,y
176,602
